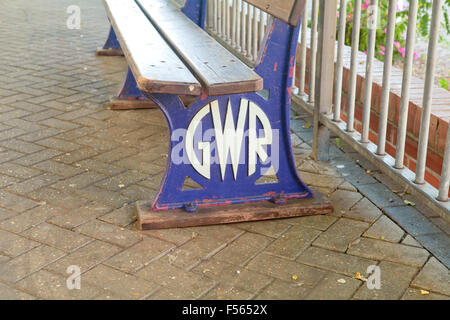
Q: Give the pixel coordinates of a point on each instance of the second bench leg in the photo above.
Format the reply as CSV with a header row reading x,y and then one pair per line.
x,y
111,46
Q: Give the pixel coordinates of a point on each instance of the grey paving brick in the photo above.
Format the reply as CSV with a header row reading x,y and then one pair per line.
x,y
438,244
18,171
85,258
291,243
15,202
30,218
21,146
232,275
434,277
319,222
286,270
412,220
243,248
317,180
177,283
283,290
175,236
268,228
385,229
395,279
57,237
383,250
364,210
227,292
118,282
109,233
34,183
14,245
380,195
121,217
341,234
354,174
51,286
28,263
335,261
343,201
139,255
10,293
410,241
334,287
417,294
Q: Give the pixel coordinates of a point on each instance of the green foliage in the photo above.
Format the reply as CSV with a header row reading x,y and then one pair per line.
x,y
423,26
443,83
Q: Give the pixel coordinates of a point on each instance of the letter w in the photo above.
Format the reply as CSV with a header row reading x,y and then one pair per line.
x,y
229,140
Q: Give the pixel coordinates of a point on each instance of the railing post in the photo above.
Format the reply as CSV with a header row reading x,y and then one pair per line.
x,y
324,76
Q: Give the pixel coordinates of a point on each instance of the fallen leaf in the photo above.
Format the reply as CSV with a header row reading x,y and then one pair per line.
x,y
341,281
294,277
409,203
307,125
358,276
121,185
424,292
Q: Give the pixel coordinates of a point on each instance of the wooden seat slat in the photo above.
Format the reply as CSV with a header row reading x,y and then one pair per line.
x,y
217,69
155,66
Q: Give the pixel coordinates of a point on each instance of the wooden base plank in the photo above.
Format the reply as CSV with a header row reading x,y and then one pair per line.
x,y
109,52
148,219
128,104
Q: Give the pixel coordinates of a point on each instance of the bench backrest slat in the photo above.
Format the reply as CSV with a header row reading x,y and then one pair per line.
x,y
289,11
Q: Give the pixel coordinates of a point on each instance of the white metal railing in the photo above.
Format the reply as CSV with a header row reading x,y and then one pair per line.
x,y
346,128
242,26
239,25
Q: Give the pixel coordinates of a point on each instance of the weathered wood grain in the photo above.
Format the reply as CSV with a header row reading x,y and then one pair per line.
x,y
217,69
148,219
155,66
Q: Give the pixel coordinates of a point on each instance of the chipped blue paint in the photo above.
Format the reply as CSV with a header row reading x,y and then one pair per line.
x,y
111,41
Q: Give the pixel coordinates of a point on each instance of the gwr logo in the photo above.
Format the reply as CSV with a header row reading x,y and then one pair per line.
x,y
229,138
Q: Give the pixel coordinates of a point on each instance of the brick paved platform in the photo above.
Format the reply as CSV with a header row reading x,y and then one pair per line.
x,y
71,171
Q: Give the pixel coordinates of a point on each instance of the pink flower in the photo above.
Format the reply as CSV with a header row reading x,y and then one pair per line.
x,y
382,53
416,55
382,48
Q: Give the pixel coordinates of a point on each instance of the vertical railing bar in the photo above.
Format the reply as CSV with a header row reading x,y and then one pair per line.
x,y
302,57
261,28
249,31
244,36
386,87
407,71
325,78
216,17
233,24
209,14
353,65
369,70
238,25
340,61
255,34
445,176
224,19
428,93
228,24
313,50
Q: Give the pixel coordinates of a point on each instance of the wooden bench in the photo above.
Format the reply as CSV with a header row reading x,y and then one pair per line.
x,y
232,140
